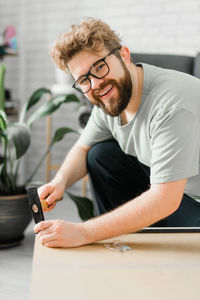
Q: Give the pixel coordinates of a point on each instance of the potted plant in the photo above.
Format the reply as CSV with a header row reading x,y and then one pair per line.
x,y
15,139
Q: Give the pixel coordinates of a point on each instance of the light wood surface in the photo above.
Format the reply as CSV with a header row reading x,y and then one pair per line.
x,y
159,266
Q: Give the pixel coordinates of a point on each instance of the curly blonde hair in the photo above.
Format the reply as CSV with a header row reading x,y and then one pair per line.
x,y
91,35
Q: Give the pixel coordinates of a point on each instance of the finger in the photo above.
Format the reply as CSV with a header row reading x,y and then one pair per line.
x,y
41,226
48,208
52,244
43,191
48,195
51,198
44,232
47,238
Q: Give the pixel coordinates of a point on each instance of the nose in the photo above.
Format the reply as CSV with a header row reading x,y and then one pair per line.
x,y
95,83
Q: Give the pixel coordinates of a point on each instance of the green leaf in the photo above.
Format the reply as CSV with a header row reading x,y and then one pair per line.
x,y
19,134
6,183
2,90
84,205
3,120
36,96
1,168
60,133
34,99
50,106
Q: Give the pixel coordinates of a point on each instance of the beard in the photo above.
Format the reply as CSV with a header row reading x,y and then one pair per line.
x,y
116,105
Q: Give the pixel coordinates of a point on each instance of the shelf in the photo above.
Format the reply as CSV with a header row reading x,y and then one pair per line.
x,y
6,51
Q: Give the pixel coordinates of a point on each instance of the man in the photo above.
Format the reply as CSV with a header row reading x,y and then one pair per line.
x,y
140,146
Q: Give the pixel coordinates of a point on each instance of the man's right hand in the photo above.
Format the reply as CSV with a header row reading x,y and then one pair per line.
x,y
50,193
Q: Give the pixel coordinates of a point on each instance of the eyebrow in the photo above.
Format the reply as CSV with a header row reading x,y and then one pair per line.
x,y
89,69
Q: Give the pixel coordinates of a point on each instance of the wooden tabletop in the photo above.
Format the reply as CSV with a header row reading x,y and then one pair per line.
x,y
159,266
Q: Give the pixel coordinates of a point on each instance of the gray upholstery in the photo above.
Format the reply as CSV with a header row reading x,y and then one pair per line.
x,y
197,66
187,64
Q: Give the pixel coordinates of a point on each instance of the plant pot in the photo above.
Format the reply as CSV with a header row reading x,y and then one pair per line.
x,y
15,215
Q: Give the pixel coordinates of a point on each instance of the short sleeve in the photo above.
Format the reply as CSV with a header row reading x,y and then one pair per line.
x,y
96,129
175,143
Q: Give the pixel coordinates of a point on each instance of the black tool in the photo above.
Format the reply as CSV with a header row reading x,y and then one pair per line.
x,y
35,204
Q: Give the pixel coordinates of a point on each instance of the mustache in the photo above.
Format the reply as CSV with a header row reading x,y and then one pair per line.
x,y
104,84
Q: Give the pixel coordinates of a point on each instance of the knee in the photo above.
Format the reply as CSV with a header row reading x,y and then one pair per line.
x,y
100,153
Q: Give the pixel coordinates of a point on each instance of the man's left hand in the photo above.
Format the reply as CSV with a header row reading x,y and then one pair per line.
x,y
58,233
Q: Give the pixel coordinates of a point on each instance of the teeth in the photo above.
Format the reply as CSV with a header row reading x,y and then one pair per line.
x,y
106,91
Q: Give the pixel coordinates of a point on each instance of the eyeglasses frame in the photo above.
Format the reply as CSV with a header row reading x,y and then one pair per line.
x,y
90,74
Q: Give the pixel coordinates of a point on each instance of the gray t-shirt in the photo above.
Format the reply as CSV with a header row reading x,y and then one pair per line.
x,y
165,132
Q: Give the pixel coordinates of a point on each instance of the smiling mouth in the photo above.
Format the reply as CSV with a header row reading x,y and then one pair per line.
x,y
106,92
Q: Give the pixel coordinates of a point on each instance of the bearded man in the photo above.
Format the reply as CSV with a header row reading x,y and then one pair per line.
x,y
140,145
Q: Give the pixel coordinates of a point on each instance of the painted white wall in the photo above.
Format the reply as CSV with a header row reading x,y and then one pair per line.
x,y
156,26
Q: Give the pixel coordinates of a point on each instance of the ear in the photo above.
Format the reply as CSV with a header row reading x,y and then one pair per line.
x,y
125,55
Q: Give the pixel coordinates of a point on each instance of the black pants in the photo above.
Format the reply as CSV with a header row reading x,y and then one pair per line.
x,y
117,178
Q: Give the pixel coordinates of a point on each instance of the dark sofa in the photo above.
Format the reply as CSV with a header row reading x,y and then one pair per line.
x,y
186,64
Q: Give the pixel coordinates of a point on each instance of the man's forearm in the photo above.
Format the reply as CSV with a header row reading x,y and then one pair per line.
x,y
138,213
74,166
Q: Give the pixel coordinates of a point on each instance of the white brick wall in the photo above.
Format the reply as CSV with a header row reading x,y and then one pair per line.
x,y
157,26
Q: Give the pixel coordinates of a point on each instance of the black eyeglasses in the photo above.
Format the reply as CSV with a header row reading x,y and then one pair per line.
x,y
98,70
